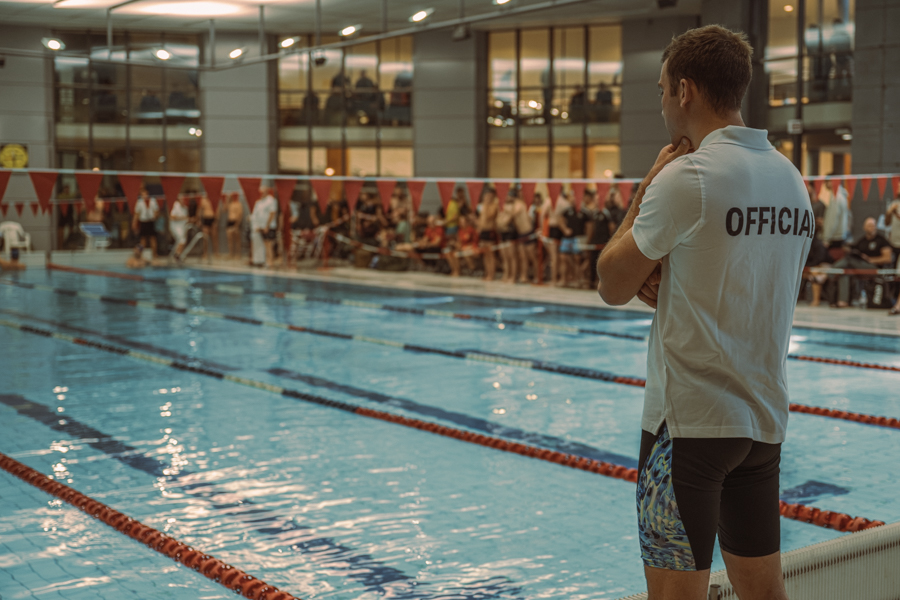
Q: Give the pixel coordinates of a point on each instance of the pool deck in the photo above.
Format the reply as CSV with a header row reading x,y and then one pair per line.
x,y
870,321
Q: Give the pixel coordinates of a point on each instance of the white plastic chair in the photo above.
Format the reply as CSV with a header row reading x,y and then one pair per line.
x,y
14,237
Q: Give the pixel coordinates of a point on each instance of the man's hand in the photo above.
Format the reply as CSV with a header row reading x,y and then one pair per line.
x,y
649,292
667,155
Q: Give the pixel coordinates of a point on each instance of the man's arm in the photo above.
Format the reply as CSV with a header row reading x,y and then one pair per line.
x,y
889,215
622,267
885,259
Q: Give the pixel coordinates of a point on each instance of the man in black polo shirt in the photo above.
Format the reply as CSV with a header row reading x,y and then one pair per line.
x,y
871,251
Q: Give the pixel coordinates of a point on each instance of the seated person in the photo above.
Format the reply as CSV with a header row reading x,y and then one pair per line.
x,y
13,263
871,251
466,242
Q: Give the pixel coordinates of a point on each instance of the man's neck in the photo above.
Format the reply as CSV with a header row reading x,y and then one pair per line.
x,y
704,127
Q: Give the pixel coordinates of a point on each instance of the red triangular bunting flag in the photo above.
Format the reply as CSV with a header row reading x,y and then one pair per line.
x,y
89,185
352,188
131,186
528,192
386,190
895,184
835,185
882,184
213,187
475,188
625,188
107,207
171,185
4,180
250,186
553,190
43,183
445,188
63,208
817,186
322,188
285,190
19,206
850,185
34,207
502,188
866,186
577,194
415,187
602,193
4,208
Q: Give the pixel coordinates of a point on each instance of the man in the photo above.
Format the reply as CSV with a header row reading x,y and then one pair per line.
x,y
836,223
715,239
487,231
146,210
234,225
871,251
263,221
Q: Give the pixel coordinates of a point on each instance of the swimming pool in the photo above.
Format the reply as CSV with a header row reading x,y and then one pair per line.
x,y
324,503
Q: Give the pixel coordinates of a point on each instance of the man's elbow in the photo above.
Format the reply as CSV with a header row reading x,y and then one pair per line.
x,y
610,291
612,296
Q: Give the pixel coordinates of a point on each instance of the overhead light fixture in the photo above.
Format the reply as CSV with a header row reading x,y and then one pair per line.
x,y
199,8
501,2
788,8
350,30
236,53
53,44
421,15
288,42
162,54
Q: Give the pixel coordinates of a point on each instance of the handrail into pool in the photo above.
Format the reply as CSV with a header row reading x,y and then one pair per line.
x,y
861,566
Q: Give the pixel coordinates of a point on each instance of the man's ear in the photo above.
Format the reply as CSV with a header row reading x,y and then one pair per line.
x,y
686,92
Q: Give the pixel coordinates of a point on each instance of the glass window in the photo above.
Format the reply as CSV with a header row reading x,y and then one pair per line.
x,y
568,57
362,162
501,160
396,162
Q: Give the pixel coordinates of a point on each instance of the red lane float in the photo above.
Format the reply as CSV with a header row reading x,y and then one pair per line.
x,y
567,460
825,518
210,567
846,363
847,415
56,267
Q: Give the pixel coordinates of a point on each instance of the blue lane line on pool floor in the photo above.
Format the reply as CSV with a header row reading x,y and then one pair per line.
x,y
552,443
359,567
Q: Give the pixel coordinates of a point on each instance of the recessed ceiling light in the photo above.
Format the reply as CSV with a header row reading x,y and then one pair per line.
x,y
350,30
788,8
421,15
288,42
163,54
53,44
236,53
200,8
501,2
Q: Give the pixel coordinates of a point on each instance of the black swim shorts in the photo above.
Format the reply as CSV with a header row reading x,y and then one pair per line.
x,y
690,489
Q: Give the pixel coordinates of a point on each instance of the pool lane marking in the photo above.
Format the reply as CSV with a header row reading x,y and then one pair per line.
x,y
234,579
807,514
362,567
239,291
554,456
232,290
584,372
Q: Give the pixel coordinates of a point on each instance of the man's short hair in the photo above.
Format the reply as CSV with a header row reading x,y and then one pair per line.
x,y
716,59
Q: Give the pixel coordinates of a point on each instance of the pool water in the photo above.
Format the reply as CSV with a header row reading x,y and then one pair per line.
x,y
328,504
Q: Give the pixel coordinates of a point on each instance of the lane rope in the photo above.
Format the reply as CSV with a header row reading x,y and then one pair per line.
x,y
209,566
799,512
480,356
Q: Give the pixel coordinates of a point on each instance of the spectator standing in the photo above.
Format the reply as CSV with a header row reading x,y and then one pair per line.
x,y
836,223
263,221
870,251
818,208
525,240
207,216
487,231
892,220
557,231
178,222
508,255
146,210
234,225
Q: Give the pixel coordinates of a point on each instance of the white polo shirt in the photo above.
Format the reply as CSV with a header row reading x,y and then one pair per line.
x,y
146,209
732,223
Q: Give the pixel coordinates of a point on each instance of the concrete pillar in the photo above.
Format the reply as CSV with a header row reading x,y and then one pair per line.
x,y
643,131
449,108
239,110
26,117
752,18
876,100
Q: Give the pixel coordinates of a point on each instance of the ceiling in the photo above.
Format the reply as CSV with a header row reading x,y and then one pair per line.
x,y
298,16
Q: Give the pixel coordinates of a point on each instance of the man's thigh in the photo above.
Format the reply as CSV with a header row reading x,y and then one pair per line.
x,y
689,489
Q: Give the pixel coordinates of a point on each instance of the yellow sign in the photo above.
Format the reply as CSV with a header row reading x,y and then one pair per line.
x,y
13,156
